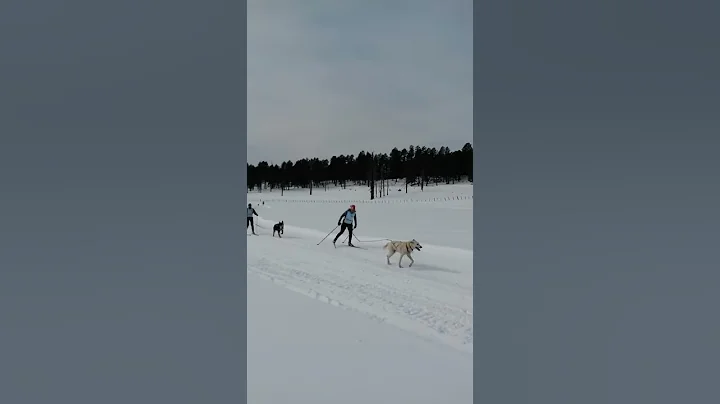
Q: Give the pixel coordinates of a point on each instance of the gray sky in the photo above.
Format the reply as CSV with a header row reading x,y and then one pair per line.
x,y
332,77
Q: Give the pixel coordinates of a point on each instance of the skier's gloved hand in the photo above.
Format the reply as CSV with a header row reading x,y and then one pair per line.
x,y
355,227
338,223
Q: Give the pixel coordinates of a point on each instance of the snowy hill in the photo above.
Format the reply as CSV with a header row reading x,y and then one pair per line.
x,y
426,309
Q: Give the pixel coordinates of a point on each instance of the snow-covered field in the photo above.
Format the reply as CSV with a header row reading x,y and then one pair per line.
x,y
331,325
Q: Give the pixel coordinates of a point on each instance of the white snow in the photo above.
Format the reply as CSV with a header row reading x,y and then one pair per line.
x,y
369,332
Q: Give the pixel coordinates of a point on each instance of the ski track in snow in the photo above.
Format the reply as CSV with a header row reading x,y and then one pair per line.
x,y
432,299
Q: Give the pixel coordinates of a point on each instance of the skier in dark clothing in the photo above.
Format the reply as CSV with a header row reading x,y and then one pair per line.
x,y
346,221
250,213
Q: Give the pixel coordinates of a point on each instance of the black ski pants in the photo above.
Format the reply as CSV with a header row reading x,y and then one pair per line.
x,y
250,223
344,226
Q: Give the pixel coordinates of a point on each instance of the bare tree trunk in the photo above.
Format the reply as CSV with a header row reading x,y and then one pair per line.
x,y
372,177
382,179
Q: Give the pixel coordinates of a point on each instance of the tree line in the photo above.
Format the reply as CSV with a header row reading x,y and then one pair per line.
x,y
416,165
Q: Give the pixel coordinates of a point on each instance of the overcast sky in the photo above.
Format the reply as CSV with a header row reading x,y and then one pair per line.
x,y
330,77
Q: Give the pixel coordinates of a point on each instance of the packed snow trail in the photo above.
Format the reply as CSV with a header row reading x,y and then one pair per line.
x,y
432,299
303,351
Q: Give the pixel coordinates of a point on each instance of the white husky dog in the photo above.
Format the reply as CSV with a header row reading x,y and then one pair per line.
x,y
404,248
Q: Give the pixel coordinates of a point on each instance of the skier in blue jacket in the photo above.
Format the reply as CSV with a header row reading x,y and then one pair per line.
x,y
346,222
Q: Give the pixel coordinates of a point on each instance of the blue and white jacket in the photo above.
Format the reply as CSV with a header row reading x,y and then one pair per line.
x,y
348,217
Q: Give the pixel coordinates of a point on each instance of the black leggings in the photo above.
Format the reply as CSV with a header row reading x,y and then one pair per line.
x,y
342,230
250,223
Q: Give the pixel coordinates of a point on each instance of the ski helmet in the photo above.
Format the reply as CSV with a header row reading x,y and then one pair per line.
x,y
352,207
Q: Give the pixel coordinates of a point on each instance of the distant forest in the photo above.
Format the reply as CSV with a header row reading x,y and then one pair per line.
x,y
416,165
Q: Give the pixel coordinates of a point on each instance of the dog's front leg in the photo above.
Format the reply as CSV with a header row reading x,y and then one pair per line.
x,y
400,260
412,261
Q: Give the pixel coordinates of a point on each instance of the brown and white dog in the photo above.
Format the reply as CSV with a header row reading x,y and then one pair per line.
x,y
404,248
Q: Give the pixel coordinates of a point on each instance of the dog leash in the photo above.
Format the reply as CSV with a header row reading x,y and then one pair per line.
x,y
371,241
366,241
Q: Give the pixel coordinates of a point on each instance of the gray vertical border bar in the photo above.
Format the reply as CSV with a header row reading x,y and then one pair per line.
x,y
596,268
480,362
242,388
123,176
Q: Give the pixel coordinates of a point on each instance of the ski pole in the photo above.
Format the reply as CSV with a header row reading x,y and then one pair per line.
x,y
328,235
346,237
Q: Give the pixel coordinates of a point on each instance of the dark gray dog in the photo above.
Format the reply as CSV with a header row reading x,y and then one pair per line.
x,y
279,228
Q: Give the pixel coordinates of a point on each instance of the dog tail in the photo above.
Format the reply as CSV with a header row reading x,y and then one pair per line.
x,y
386,245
